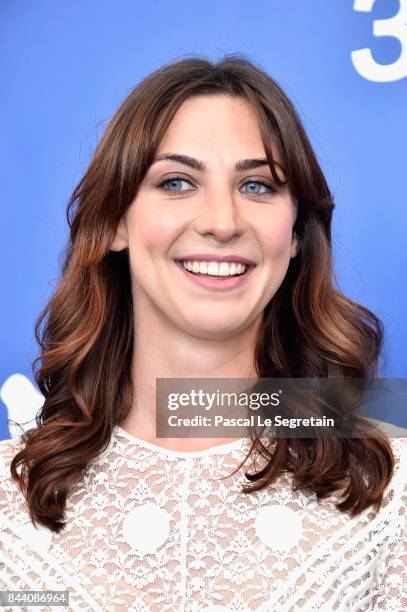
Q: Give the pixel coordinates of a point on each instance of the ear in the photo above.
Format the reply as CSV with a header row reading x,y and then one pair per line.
x,y
121,239
295,246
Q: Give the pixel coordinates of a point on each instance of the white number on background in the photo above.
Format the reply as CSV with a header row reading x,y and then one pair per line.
x,y
395,26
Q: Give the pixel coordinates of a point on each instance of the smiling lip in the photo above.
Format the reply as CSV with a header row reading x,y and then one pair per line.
x,y
217,283
209,257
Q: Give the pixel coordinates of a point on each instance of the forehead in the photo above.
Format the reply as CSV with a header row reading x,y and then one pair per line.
x,y
219,126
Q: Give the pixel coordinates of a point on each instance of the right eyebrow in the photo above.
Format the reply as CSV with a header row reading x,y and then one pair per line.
x,y
196,164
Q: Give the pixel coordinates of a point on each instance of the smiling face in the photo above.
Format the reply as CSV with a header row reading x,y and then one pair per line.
x,y
223,212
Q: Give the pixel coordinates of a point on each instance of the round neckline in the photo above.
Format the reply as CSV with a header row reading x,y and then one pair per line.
x,y
218,449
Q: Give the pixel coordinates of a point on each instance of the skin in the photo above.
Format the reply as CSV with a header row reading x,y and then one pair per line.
x,y
182,330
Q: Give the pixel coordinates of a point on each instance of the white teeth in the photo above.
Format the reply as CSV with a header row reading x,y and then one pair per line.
x,y
214,268
224,269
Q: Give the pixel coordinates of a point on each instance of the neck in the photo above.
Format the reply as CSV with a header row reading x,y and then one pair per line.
x,y
161,350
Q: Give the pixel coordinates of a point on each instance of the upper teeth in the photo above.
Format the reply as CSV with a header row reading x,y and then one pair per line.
x,y
214,268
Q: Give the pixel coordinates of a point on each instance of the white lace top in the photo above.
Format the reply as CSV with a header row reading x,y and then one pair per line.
x,y
150,529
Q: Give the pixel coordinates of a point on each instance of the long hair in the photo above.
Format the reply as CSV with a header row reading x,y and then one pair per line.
x,y
85,332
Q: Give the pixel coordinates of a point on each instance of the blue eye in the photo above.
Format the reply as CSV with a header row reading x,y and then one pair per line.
x,y
174,185
269,187
173,182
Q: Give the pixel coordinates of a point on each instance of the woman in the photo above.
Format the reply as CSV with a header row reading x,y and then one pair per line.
x,y
200,247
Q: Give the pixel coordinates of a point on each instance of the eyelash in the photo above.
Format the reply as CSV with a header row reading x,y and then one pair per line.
x,y
269,186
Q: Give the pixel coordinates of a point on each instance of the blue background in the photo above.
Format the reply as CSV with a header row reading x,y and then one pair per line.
x,y
66,66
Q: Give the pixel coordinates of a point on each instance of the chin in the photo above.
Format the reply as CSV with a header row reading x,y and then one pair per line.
x,y
213,327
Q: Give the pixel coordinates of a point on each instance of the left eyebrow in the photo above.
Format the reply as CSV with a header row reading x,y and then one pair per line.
x,y
192,162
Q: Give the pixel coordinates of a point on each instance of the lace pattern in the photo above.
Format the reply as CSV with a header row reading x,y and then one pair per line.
x,y
153,530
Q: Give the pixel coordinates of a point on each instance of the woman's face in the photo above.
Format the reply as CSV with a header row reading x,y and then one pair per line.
x,y
208,217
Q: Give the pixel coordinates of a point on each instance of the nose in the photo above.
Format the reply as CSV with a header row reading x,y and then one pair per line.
x,y
219,216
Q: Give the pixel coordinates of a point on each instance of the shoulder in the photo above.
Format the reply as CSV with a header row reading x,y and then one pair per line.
x,y
392,564
393,431
11,497
395,494
8,449
398,441
399,448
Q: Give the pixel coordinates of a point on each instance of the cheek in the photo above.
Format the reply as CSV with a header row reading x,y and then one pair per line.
x,y
151,232
276,240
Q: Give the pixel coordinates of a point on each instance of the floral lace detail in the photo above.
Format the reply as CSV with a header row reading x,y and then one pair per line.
x,y
153,530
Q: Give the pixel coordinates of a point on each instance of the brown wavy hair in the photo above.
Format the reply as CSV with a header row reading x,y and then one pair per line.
x,y
85,332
